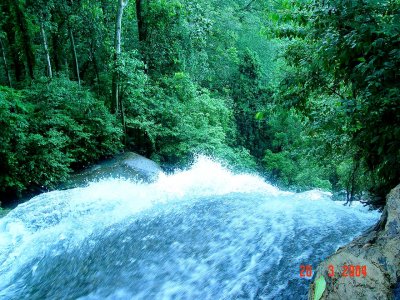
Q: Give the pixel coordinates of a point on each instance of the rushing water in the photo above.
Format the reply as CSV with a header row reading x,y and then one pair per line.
x,y
204,233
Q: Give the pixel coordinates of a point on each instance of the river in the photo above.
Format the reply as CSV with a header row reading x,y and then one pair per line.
x,y
202,233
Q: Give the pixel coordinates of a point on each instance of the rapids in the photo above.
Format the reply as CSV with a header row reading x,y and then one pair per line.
x,y
203,233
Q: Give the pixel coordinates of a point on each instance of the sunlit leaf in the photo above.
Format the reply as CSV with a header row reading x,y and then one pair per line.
x,y
260,115
320,285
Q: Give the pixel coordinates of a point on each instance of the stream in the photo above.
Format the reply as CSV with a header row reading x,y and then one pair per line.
x,y
201,233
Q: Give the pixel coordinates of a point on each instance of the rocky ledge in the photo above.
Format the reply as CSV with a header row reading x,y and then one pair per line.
x,y
127,165
378,249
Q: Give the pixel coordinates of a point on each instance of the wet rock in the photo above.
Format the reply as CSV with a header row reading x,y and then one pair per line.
x,y
126,165
378,249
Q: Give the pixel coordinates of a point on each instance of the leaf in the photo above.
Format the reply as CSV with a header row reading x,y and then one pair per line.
x,y
260,115
361,59
274,17
320,285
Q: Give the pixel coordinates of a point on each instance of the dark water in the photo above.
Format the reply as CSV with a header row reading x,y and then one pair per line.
x,y
201,234
396,292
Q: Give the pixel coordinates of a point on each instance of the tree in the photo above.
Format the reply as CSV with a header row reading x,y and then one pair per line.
x,y
18,30
25,36
6,70
359,46
46,49
142,32
116,101
72,41
249,97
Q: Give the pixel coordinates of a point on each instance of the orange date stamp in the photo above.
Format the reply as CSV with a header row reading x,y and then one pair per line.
x,y
349,271
306,271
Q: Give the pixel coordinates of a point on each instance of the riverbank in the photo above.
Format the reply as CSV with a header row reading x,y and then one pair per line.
x,y
127,165
377,251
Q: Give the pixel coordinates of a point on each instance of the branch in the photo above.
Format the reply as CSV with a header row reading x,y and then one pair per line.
x,y
247,6
334,91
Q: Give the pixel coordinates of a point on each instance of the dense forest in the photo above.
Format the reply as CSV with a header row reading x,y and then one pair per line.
x,y
306,93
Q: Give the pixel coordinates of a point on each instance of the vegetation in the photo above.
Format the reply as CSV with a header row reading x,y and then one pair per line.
x,y
50,129
306,93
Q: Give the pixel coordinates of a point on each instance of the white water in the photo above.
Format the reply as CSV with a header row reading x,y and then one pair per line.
x,y
204,233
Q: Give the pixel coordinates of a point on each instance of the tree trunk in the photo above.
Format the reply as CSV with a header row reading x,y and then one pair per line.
x,y
70,3
140,20
121,104
26,39
76,65
115,101
142,30
3,50
16,64
66,65
92,58
56,54
351,185
46,50
56,43
248,5
104,6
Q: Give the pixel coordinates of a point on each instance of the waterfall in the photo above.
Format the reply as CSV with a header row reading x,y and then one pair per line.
x,y
201,233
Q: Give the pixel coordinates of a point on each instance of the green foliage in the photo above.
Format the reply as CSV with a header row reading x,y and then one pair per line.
x,y
179,119
63,106
340,68
281,167
359,46
3,212
164,45
13,128
131,76
287,19
353,177
50,129
296,172
308,90
249,97
288,160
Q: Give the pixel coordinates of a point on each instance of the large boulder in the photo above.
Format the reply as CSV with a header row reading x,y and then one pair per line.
x,y
127,165
378,249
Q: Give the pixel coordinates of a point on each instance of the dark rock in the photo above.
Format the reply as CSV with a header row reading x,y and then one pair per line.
x,y
127,165
378,249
